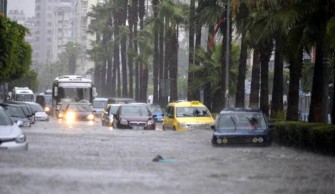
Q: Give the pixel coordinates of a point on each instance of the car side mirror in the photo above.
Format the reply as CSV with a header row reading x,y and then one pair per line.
x,y
19,123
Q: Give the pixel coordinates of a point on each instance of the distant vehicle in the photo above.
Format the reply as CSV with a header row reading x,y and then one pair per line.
x,y
98,105
40,114
184,115
16,112
22,94
45,100
70,89
120,100
134,116
108,113
77,112
11,136
156,112
243,127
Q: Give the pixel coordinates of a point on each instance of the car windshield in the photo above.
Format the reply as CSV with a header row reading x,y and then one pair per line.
x,y
134,111
192,112
99,104
15,111
241,121
79,107
4,118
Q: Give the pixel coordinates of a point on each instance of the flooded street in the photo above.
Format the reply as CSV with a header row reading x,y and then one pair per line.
x,y
85,158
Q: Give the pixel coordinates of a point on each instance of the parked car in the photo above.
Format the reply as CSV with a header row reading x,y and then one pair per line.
x,y
11,136
241,126
17,114
107,116
134,116
28,111
40,114
77,111
184,115
98,105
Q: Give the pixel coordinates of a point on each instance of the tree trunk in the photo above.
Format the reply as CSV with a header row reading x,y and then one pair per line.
x,y
240,93
265,54
318,111
163,96
143,80
191,94
255,79
156,54
293,93
174,65
277,106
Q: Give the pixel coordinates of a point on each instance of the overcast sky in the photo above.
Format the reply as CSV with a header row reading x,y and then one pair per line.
x,y
28,6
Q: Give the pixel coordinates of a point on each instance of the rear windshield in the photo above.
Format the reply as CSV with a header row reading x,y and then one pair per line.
x,y
241,121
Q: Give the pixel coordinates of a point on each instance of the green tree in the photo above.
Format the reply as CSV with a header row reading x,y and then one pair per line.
x,y
15,58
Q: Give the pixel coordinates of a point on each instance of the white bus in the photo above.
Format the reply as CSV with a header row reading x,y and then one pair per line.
x,y
72,88
22,94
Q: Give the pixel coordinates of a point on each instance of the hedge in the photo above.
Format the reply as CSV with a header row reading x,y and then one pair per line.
x,y
316,137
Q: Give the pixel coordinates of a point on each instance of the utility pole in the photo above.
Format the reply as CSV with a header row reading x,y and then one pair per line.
x,y
3,8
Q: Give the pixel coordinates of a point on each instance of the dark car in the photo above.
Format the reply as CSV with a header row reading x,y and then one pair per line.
x,y
134,116
77,111
17,114
108,114
241,127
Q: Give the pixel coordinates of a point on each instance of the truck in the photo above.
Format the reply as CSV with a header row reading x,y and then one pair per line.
x,y
72,88
22,94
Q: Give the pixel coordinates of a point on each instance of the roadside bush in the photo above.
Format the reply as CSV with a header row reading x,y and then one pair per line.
x,y
311,136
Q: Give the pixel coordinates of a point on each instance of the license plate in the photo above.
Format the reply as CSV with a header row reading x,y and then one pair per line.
x,y
138,127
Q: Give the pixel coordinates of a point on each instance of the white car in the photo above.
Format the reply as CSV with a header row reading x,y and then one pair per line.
x,y
11,136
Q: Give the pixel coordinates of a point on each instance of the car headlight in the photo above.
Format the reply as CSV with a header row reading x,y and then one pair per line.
x,y
70,116
260,140
20,139
182,125
123,122
150,122
46,109
90,117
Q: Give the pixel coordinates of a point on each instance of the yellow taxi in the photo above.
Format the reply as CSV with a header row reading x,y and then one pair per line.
x,y
184,115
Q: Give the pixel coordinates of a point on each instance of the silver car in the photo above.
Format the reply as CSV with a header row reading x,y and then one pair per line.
x,y
11,136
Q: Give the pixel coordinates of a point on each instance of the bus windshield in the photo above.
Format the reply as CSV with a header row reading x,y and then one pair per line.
x,y
74,94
